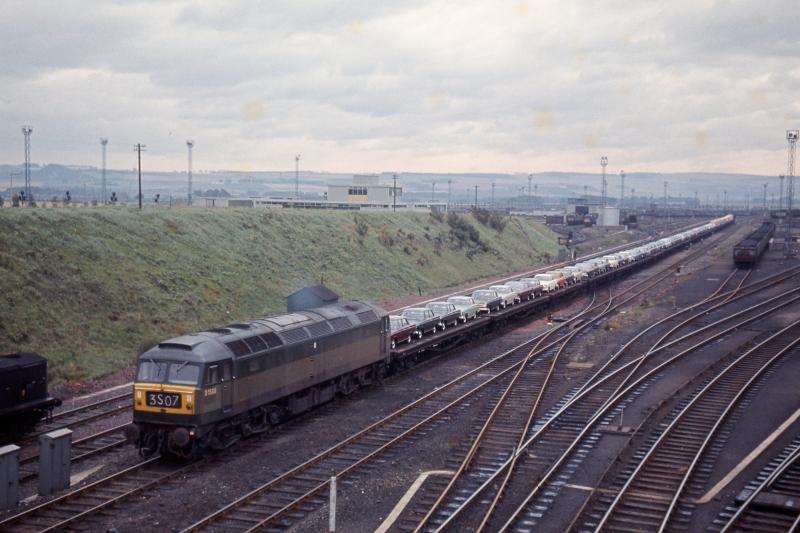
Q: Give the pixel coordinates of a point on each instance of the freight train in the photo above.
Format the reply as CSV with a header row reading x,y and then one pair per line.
x,y
206,390
747,253
24,399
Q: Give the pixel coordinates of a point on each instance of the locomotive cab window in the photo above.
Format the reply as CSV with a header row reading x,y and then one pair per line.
x,y
182,373
218,373
212,375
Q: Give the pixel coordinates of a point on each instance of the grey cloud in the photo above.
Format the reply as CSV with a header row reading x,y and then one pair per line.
x,y
504,82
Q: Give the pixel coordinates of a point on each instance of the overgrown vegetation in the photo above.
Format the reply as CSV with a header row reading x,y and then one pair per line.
x,y
91,288
490,219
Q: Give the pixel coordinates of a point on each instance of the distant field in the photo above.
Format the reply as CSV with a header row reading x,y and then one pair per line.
x,y
90,288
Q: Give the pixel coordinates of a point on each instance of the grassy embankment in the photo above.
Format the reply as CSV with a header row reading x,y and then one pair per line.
x,y
90,288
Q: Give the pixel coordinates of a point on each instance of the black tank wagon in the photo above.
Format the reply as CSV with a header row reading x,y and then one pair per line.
x,y
204,391
24,399
747,253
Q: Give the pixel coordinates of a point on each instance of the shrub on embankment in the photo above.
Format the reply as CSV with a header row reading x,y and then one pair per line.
x,y
90,288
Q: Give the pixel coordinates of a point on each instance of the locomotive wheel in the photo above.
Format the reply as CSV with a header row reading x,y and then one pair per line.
x,y
149,445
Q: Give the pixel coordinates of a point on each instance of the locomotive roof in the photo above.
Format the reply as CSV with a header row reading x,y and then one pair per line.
x,y
266,332
752,240
20,360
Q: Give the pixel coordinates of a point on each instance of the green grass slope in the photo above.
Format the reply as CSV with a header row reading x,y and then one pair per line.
x,y
91,288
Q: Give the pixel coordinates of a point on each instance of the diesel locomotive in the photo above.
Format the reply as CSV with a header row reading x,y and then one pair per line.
x,y
204,391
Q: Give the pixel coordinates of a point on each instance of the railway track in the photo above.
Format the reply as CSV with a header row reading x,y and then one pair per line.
x,y
63,511
768,503
80,416
493,446
648,497
566,427
502,432
282,500
82,449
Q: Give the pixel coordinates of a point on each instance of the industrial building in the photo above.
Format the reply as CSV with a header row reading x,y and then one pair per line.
x,y
366,192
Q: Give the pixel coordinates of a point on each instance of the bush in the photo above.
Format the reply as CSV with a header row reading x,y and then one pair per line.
x,y
462,231
437,215
361,226
489,218
386,239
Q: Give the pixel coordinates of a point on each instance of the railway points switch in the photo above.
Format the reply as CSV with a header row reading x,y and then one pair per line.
x,y
54,461
9,476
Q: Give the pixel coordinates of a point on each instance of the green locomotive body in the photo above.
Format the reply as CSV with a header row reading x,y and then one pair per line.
x,y
206,390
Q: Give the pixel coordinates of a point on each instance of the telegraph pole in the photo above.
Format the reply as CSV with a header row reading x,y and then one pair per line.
x,y
103,143
11,181
665,199
139,148
26,131
449,192
297,176
603,184
765,198
476,197
530,200
189,146
394,192
493,184
621,187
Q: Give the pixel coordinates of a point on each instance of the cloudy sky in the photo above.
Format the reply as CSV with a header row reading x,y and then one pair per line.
x,y
371,85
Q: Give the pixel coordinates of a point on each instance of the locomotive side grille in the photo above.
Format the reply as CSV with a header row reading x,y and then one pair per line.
x,y
295,335
367,316
319,329
272,340
341,323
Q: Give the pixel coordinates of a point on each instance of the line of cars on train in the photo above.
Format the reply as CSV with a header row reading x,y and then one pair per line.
x,y
416,322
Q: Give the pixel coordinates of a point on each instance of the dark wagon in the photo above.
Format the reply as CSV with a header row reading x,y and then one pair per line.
x,y
749,250
24,399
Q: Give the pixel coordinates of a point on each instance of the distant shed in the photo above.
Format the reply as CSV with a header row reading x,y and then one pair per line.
x,y
310,297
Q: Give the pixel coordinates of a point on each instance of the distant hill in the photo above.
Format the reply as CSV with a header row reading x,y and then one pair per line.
x,y
83,182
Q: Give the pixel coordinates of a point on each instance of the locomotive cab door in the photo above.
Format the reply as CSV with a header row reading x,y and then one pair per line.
x,y
227,386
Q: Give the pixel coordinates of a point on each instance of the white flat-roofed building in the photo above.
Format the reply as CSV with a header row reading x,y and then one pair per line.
x,y
365,189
